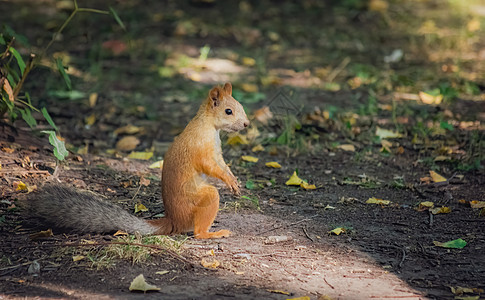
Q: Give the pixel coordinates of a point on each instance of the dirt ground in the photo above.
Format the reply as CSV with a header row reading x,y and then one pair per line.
x,y
338,99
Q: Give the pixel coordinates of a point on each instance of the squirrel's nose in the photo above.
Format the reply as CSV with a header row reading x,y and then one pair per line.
x,y
246,124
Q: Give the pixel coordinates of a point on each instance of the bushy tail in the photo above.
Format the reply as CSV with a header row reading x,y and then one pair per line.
x,y
85,212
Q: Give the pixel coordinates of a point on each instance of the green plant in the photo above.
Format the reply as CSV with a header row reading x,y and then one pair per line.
x,y
14,71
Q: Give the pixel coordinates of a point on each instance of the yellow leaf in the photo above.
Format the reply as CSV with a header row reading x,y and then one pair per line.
x,y
141,155
195,76
78,257
210,263
263,114
273,164
375,200
299,298
248,61
294,180
441,158
140,284
127,143
337,231
347,147
440,210
378,5
144,181
157,165
430,99
41,234
89,120
249,158
93,97
387,134
128,129
8,89
140,207
278,292
436,177
257,148
425,205
473,25
237,139
119,232
20,186
477,204
307,186
386,146
162,272
249,87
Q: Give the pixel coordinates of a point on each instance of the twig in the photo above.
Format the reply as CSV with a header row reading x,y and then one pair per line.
x,y
307,235
325,279
399,248
338,69
430,219
288,225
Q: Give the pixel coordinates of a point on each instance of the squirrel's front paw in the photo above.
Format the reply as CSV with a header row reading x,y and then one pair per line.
x,y
234,185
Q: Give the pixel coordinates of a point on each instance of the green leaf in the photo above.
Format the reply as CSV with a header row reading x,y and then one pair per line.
x,y
19,59
61,69
454,244
117,18
48,118
2,40
27,116
71,95
59,147
446,125
250,185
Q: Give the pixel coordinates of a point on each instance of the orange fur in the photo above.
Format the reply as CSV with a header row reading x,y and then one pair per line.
x,y
191,203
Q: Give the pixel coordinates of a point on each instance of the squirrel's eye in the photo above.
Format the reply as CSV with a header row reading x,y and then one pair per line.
x,y
228,111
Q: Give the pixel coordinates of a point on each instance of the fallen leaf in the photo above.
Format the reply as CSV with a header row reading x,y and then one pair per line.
x,y
337,231
78,257
248,61
140,207
249,158
93,97
347,147
115,46
8,89
374,200
127,143
387,134
41,234
441,158
425,205
257,148
140,284
294,180
454,244
464,290
299,298
141,155
436,177
210,263
162,272
386,146
273,164
249,87
20,186
263,115
473,25
119,232
157,165
440,210
477,204
307,186
128,129
278,292
430,99
89,120
237,139
144,181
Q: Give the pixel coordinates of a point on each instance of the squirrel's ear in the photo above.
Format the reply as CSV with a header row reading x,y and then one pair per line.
x,y
228,88
215,94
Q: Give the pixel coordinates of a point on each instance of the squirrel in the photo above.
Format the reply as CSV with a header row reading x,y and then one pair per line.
x,y
190,202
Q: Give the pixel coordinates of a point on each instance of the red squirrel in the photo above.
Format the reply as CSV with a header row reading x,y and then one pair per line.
x,y
190,202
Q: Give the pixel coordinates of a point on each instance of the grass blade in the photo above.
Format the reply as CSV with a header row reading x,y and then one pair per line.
x,y
117,18
48,118
61,69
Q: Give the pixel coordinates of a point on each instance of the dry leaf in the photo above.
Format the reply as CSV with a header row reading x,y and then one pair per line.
x,y
128,129
93,97
144,181
248,61
89,120
157,165
119,232
249,87
140,207
127,143
141,155
78,257
441,158
162,272
20,186
387,134
8,89
257,148
263,115
115,46
41,234
307,186
477,204
440,210
140,284
338,230
294,179
375,200
210,263
386,146
430,99
279,292
425,205
237,139
299,298
347,147
436,177
273,164
250,158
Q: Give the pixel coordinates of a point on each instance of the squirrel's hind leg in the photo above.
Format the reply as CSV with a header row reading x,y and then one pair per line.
x,y
205,212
